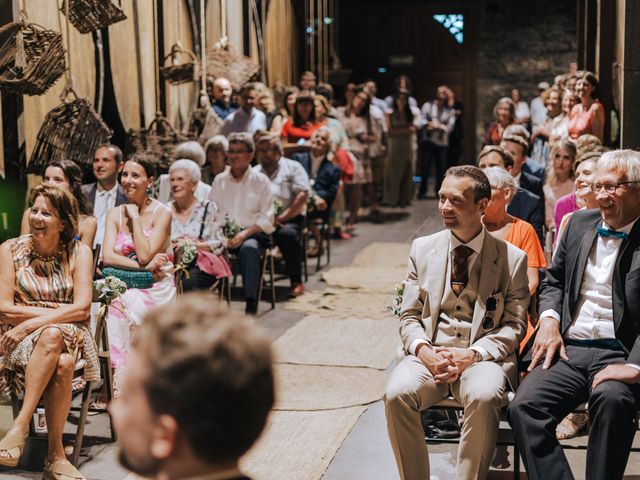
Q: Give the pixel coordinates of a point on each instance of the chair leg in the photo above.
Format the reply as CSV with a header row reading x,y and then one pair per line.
x,y
272,269
82,420
262,272
320,247
327,232
516,462
305,270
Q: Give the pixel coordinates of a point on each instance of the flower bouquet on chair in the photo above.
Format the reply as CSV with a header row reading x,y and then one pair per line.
x,y
230,228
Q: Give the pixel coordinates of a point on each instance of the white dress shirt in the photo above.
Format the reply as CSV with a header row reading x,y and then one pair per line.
x,y
476,245
287,180
241,121
105,200
594,318
248,200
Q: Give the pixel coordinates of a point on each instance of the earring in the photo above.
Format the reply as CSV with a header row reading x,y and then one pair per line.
x,y
149,192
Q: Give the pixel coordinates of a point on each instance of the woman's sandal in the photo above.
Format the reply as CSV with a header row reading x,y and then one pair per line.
x,y
578,422
13,444
61,470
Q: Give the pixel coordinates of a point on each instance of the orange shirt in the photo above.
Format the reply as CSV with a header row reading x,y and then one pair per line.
x,y
522,235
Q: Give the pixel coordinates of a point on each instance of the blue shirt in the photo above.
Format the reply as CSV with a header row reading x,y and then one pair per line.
x,y
222,110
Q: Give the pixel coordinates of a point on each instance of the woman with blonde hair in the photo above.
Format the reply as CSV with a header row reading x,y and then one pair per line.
x,y
559,177
504,112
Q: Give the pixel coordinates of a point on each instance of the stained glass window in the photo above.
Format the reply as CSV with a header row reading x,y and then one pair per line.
x,y
454,23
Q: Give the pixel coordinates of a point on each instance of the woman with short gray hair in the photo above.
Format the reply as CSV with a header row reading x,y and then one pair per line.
x,y
195,236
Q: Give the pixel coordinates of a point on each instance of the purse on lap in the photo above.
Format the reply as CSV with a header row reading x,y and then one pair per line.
x,y
133,278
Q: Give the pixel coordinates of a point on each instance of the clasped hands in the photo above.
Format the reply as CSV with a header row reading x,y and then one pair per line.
x,y
446,364
549,341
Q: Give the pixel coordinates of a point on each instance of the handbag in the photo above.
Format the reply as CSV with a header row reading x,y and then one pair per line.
x,y
133,278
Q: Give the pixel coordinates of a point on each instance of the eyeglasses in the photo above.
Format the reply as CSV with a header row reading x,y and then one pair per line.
x,y
610,188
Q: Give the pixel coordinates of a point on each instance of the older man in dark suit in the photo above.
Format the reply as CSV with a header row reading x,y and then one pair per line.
x,y
105,193
587,347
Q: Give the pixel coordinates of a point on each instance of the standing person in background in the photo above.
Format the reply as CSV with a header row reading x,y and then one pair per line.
x,y
222,98
372,89
402,83
588,116
522,109
504,112
106,192
247,118
323,115
540,136
538,109
455,137
438,120
560,124
398,172
308,81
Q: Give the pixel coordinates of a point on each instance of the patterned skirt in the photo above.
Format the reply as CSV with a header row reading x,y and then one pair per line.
x,y
77,341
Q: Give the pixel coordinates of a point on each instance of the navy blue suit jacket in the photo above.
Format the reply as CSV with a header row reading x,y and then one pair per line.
x,y
530,208
327,179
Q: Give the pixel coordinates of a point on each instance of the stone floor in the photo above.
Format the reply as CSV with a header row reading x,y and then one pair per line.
x,y
365,453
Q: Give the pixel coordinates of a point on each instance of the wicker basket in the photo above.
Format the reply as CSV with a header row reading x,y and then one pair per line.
x,y
72,131
90,15
226,63
31,58
178,73
158,142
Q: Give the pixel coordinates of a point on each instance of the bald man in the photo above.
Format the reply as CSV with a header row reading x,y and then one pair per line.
x,y
222,98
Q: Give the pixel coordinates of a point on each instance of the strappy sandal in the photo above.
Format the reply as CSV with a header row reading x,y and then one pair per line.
x,y
579,423
61,470
13,444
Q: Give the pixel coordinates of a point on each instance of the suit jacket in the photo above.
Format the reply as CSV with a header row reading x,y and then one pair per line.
x,y
530,208
503,276
533,168
90,190
532,183
561,287
327,179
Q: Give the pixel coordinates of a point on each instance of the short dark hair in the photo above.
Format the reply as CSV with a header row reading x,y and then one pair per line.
x,y
247,87
116,150
73,173
145,161
482,187
507,158
212,371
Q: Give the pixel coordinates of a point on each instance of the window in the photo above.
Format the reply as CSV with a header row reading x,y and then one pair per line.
x,y
454,23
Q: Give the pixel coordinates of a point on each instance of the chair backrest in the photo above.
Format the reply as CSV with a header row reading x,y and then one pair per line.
x,y
96,260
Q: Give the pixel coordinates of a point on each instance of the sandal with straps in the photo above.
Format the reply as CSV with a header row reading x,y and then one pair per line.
x,y
61,470
13,444
579,422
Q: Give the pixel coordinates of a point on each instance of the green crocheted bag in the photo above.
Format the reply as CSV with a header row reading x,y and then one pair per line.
x,y
133,278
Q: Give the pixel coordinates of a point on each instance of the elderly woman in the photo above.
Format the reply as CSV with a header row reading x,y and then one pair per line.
x,y
505,114
216,150
193,225
559,178
190,151
587,116
136,242
511,229
45,295
67,174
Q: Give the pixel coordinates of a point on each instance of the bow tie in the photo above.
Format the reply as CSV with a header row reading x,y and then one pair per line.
x,y
606,232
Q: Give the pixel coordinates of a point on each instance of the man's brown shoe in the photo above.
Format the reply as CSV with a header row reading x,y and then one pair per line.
x,y
296,290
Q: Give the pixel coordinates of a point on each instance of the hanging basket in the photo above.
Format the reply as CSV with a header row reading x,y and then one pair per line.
x,y
71,131
90,15
238,69
31,58
158,142
177,73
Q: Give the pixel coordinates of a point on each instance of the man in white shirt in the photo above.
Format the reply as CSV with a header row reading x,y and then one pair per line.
x,y
538,109
587,347
105,193
244,195
247,118
462,317
290,187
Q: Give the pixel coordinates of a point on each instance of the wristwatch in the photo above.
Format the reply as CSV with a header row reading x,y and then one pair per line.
x,y
477,356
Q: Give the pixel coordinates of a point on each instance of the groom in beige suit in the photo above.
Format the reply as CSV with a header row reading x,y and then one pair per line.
x,y
463,314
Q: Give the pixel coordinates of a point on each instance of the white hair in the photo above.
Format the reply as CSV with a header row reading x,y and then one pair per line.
x,y
626,162
500,178
191,150
192,168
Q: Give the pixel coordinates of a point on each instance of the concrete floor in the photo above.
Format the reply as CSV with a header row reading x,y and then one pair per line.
x,y
365,453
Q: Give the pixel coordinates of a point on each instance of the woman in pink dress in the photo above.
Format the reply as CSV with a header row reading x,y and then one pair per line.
x,y
137,237
587,117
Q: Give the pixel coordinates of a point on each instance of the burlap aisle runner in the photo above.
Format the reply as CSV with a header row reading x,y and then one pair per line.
x,y
331,365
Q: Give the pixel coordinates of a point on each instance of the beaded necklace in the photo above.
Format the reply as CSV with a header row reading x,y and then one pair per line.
x,y
43,258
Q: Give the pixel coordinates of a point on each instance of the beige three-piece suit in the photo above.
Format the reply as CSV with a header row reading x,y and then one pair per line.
x,y
431,312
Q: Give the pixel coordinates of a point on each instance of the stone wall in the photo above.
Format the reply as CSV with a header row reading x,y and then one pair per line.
x,y
521,43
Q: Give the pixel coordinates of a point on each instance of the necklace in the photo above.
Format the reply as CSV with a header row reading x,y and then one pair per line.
x,y
43,258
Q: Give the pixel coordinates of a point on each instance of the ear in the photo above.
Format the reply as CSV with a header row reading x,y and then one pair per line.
x,y
165,435
508,194
119,167
482,204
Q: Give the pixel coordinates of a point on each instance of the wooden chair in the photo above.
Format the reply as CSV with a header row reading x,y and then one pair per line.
x,y
267,270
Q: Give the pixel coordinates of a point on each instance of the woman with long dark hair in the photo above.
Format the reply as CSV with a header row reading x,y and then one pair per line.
x,y
68,175
587,117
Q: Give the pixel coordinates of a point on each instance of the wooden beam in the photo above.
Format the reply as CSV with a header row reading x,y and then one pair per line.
x,y
605,55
